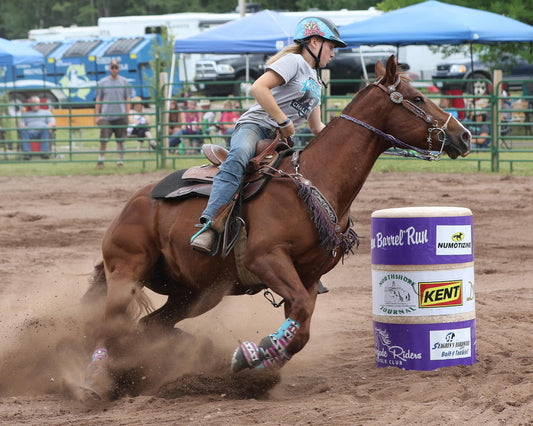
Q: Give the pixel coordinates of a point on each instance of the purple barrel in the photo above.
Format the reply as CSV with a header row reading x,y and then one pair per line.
x,y
423,300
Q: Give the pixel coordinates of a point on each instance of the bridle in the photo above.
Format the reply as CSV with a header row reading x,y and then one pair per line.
x,y
397,145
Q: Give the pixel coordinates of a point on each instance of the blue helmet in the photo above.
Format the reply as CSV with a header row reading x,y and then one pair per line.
x,y
321,27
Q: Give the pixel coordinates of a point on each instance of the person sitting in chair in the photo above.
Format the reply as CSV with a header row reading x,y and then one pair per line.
x,y
480,130
140,125
36,124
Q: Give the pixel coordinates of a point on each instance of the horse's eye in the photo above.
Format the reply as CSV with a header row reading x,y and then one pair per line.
x,y
418,99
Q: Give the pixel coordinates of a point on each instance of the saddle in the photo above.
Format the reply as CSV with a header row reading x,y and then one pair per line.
x,y
198,181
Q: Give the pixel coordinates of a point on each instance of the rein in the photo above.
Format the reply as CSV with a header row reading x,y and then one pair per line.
x,y
397,98
322,214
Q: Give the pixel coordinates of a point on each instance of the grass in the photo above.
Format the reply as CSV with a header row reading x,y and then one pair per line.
x,y
146,161
518,163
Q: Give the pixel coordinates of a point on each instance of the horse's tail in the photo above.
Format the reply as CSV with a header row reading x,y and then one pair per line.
x,y
98,275
98,290
97,285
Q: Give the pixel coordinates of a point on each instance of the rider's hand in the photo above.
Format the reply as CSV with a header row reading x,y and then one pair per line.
x,y
287,131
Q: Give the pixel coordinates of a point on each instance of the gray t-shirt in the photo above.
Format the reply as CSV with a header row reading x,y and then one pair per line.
x,y
37,119
297,97
113,90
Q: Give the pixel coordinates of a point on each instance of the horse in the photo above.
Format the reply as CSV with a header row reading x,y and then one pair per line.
x,y
297,228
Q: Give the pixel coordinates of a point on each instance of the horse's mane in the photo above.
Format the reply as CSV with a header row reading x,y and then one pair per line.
x,y
359,95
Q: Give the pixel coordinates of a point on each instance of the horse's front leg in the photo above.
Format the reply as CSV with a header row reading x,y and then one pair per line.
x,y
287,341
277,271
304,333
117,321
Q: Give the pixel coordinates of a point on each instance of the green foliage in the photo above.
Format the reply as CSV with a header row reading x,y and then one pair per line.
x,y
161,62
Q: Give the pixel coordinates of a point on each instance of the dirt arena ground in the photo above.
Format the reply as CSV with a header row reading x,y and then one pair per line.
x,y
50,233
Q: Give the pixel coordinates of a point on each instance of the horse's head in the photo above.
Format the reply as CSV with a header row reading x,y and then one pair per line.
x,y
415,119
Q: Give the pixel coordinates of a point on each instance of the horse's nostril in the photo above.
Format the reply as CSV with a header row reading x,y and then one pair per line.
x,y
466,136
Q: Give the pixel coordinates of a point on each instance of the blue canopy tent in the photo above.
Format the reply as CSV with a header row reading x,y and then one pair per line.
x,y
265,31
433,22
13,54
18,54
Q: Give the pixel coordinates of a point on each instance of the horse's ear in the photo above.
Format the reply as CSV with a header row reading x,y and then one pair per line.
x,y
391,75
380,70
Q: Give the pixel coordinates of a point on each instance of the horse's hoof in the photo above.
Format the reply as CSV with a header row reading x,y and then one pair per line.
x,y
97,383
238,362
87,394
248,355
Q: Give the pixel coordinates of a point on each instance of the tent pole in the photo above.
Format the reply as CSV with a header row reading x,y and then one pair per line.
x,y
471,57
365,74
247,67
184,68
247,85
171,82
472,71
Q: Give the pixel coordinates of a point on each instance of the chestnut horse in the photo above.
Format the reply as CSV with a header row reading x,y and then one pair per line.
x,y
286,250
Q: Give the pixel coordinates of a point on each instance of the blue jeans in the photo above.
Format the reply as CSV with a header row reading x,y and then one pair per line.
x,y
34,135
227,181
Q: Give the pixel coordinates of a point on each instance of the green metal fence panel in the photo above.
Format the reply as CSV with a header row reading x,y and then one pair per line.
x,y
76,138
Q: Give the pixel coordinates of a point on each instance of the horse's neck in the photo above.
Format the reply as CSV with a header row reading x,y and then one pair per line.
x,y
341,157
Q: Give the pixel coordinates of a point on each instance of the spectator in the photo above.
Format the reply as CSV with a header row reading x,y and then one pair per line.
x,y
480,128
228,118
140,125
174,118
36,123
446,105
208,117
112,115
192,125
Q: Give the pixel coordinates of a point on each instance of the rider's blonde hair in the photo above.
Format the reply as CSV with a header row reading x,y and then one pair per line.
x,y
293,48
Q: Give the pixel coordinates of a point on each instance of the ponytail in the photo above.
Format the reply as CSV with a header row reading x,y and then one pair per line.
x,y
293,48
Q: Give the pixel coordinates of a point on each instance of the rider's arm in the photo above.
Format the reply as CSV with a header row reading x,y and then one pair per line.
x,y
261,91
314,122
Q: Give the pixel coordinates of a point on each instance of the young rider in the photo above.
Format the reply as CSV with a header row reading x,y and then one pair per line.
x,y
286,94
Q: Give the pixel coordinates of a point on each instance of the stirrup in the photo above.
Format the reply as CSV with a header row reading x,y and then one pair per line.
x,y
205,227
